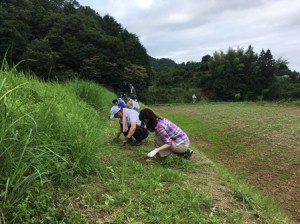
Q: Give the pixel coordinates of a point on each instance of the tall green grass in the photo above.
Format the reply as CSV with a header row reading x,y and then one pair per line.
x,y
48,136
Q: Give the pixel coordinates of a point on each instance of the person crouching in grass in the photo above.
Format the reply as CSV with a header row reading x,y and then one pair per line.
x,y
169,139
130,125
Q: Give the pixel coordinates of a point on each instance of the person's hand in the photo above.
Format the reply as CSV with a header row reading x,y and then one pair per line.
x,y
124,142
152,153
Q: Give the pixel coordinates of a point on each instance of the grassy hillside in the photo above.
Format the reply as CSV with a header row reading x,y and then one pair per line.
x,y
50,134
60,165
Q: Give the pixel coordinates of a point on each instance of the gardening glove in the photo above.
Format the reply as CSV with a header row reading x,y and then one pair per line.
x,y
152,153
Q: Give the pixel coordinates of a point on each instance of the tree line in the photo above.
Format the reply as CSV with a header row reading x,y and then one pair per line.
x,y
236,75
60,40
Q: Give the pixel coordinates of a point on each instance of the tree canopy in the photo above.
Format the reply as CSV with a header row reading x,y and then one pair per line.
x,y
59,39
237,74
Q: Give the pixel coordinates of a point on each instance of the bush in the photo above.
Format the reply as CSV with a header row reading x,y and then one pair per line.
x,y
237,96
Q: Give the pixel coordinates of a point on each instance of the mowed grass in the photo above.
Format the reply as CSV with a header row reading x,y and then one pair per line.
x,y
133,189
261,142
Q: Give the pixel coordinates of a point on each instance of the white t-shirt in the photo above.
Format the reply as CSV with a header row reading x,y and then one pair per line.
x,y
132,116
135,104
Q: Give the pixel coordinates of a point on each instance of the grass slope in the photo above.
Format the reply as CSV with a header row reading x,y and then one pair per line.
x,y
49,135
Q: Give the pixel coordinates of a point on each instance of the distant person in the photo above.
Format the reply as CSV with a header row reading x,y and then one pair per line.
x,y
132,92
130,125
169,139
194,98
124,97
119,103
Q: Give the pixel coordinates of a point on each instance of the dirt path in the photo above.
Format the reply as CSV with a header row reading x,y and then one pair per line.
x,y
207,179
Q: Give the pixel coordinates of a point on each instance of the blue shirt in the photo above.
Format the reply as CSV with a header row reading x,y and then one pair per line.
x,y
121,104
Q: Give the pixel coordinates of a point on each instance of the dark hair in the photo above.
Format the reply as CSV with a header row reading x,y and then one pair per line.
x,y
150,116
114,101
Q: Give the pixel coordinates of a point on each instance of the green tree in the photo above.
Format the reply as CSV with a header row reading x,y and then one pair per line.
x,y
266,81
70,40
42,59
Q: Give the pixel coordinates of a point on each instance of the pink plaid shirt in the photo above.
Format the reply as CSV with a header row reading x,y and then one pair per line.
x,y
169,132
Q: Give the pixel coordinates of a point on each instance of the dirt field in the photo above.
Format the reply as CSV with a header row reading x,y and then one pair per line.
x,y
260,141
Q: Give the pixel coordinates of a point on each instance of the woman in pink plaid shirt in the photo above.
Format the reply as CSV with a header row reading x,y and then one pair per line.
x,y
169,139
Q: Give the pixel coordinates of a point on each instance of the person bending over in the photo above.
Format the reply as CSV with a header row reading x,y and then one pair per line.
x,y
169,139
130,125
119,103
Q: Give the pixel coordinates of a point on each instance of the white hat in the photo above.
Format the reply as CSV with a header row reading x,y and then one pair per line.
x,y
115,109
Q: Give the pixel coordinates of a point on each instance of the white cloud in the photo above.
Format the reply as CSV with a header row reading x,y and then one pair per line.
x,y
187,30
144,4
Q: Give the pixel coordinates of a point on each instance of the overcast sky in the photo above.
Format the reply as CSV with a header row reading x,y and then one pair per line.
x,y
187,30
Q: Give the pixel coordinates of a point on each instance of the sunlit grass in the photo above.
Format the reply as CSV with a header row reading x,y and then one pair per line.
x,y
48,136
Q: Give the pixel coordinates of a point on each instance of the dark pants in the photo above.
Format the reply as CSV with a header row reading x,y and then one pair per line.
x,y
139,134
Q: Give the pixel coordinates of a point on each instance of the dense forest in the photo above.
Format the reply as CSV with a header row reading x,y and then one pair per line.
x,y
232,76
60,39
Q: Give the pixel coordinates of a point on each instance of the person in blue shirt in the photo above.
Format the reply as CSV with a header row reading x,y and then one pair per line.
x,y
119,103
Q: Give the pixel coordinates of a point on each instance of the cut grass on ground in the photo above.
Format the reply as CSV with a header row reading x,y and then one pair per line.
x,y
134,189
260,142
